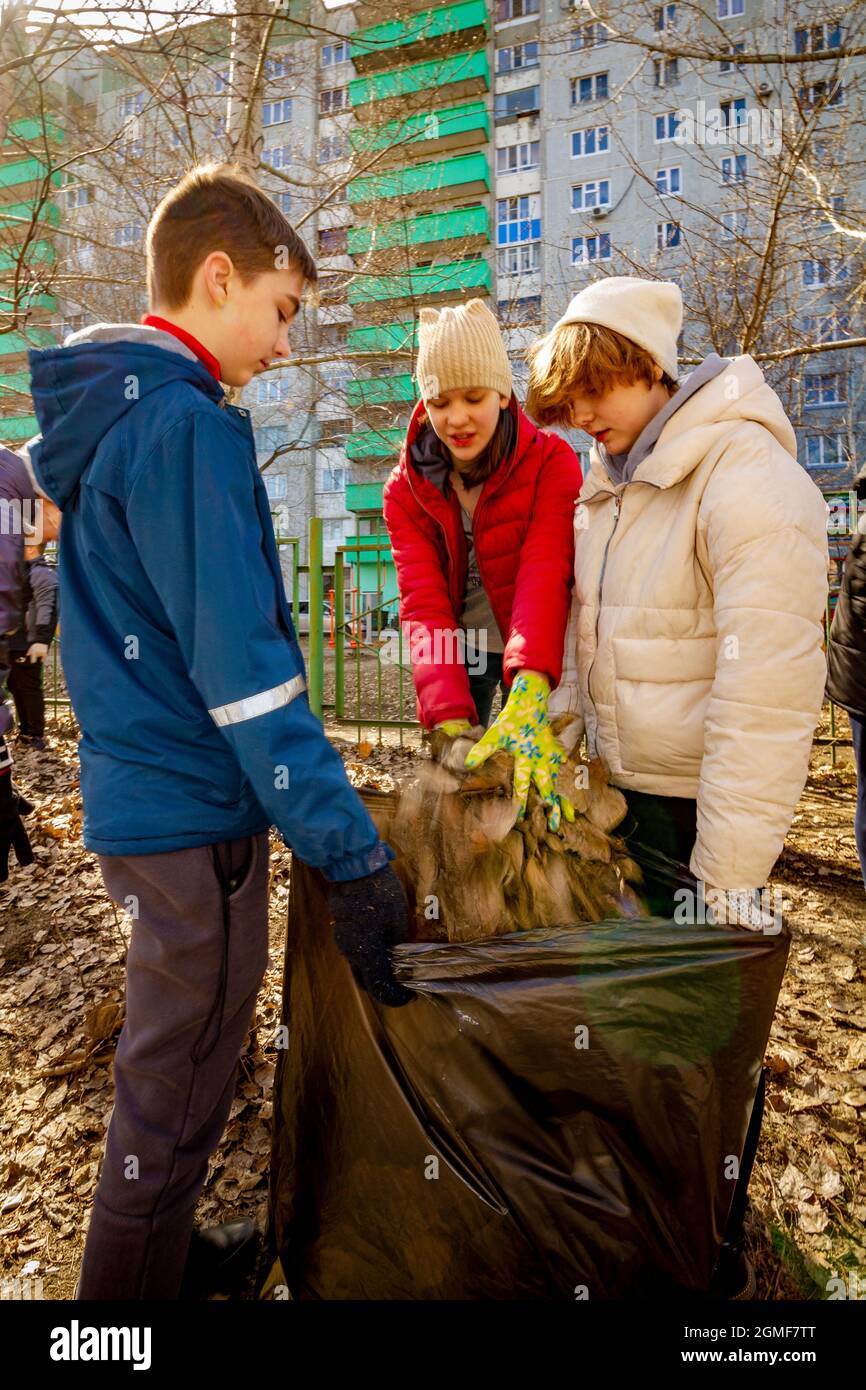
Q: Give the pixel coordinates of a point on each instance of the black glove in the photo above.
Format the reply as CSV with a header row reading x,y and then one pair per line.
x,y
12,833
369,916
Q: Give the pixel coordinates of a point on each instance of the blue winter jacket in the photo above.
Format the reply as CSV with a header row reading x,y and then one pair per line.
x,y
179,652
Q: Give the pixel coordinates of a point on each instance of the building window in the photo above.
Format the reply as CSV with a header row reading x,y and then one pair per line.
x,y
77,195
270,437
333,147
510,159
666,126
276,485
523,309
826,451
734,224
334,53
514,9
131,105
276,112
518,56
517,103
669,181
817,38
826,328
332,100
837,206
593,140
595,194
283,201
272,389
829,93
824,272
591,35
734,168
733,112
727,9
277,67
221,81
593,88
518,219
664,18
130,149
333,241
667,235
824,388
278,156
519,260
335,431
128,234
665,71
590,248
725,64
332,530
333,479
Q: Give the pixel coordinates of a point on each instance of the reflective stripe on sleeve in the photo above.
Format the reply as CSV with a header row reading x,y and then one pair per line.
x,y
251,706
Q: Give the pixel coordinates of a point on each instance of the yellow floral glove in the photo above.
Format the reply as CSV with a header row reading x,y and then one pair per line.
x,y
454,727
523,729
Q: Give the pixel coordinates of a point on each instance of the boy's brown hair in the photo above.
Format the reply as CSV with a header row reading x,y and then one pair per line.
x,y
217,207
582,359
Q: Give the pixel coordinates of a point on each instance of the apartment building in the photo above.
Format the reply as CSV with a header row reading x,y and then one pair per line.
x,y
512,149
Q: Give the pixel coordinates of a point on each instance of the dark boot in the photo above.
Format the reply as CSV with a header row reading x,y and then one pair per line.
x,y
219,1259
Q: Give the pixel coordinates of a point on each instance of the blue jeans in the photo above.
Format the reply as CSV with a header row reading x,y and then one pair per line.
x,y
482,688
858,734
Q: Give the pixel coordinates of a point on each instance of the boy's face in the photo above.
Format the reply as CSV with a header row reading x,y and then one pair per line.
x,y
616,417
252,326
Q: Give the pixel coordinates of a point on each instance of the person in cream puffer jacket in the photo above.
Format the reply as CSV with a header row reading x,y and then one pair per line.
x,y
693,655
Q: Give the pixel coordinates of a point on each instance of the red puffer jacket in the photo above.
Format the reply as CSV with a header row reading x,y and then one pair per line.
x,y
523,528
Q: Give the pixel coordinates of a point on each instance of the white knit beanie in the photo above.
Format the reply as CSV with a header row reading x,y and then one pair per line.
x,y
649,312
460,347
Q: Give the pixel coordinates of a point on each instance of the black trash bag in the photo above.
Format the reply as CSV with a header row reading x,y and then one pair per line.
x,y
560,1114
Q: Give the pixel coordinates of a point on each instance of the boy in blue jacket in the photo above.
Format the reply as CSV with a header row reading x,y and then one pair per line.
x,y
188,683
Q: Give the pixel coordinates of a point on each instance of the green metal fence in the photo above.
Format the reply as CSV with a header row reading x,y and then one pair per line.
x,y
359,672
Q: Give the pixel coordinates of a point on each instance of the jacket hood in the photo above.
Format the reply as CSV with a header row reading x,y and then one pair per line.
x,y
80,390
740,393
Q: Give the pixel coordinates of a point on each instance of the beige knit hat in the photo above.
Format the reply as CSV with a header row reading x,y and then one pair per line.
x,y
459,347
649,312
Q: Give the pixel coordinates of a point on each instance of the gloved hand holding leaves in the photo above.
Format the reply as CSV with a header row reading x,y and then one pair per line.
x,y
370,916
523,729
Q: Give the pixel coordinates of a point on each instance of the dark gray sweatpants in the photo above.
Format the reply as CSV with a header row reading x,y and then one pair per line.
x,y
198,951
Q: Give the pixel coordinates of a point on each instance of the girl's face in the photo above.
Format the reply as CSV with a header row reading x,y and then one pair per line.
x,y
616,417
466,420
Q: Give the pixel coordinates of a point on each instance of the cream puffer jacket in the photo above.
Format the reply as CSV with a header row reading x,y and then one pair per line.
x,y
693,653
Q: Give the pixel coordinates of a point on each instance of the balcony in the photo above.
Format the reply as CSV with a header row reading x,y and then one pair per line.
x,y
32,128
364,497
384,337
22,171
21,214
424,283
38,252
17,345
463,74
426,32
373,444
463,176
437,131
382,390
17,429
471,226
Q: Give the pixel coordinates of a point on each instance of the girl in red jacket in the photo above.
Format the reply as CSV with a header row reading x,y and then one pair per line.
x,y
479,512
